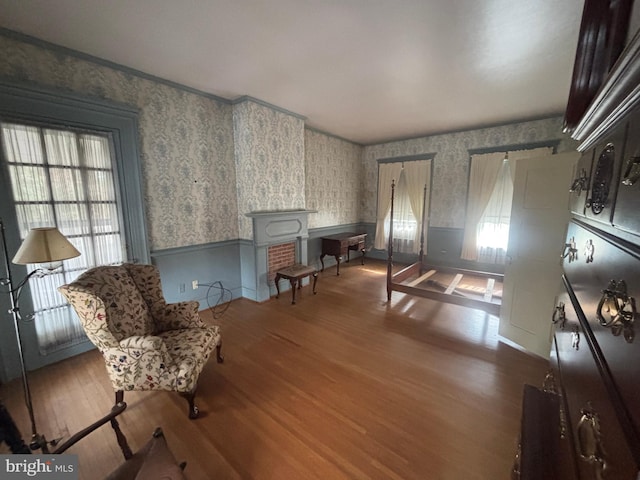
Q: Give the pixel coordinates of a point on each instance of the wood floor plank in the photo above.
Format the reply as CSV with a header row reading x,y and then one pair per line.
x,y
342,385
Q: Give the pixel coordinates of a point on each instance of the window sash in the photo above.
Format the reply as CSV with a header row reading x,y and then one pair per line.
x,y
65,178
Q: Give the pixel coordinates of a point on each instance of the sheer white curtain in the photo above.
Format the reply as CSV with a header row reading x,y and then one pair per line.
x,y
482,181
491,196
493,226
411,177
64,178
387,172
404,221
418,174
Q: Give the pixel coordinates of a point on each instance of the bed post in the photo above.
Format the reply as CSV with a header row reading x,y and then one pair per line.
x,y
390,245
424,212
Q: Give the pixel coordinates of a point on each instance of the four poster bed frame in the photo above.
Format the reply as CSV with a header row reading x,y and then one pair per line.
x,y
468,288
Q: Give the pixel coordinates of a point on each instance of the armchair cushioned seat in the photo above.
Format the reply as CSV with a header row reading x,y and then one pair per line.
x,y
147,344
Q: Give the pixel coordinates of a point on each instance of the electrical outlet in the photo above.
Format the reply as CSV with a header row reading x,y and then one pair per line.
x,y
182,288
194,284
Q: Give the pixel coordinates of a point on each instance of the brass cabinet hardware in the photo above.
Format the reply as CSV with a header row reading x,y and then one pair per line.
x,y
602,180
575,338
617,310
589,439
588,251
559,316
570,251
632,171
580,183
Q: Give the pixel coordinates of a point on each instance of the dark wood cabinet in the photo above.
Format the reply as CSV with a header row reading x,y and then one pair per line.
x,y
592,393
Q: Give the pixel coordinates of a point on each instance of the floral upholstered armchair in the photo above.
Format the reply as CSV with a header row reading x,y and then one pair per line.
x,y
147,344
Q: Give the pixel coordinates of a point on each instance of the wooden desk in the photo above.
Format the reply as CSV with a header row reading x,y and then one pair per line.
x,y
341,244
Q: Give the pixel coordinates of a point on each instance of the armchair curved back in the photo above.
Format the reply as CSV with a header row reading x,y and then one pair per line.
x,y
108,301
147,280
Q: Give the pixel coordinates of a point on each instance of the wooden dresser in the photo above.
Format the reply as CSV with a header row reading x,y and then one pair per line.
x,y
583,421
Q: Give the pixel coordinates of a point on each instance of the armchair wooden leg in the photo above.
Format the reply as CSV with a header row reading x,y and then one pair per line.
x,y
122,440
219,356
191,398
119,396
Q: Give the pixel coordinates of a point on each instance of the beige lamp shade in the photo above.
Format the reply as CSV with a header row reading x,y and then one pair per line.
x,y
44,245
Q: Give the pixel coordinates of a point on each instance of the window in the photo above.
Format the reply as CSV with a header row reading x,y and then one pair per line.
x,y
64,178
406,235
96,127
410,178
486,232
493,226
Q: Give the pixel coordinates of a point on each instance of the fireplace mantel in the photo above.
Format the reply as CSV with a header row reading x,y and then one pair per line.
x,y
279,226
271,227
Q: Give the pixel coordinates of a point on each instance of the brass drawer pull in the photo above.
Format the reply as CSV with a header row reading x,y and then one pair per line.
x,y
617,310
588,251
559,316
590,441
632,172
580,183
570,251
575,338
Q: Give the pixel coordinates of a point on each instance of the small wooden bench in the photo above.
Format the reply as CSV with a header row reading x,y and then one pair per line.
x,y
295,273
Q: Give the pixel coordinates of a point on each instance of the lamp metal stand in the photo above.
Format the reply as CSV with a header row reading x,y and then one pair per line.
x,y
38,441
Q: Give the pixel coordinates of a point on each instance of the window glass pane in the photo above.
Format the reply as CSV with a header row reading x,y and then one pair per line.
x,y
66,184
73,219
22,143
96,151
108,249
86,259
44,291
100,186
61,148
105,218
29,184
33,216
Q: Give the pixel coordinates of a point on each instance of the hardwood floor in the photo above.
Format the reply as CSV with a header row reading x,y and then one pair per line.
x,y
339,386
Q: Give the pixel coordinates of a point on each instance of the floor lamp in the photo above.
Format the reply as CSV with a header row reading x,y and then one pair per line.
x,y
46,247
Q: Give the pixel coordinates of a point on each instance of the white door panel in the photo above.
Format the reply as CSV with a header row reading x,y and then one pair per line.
x,y
539,218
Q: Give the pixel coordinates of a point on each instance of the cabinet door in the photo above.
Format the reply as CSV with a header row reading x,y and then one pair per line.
x,y
626,214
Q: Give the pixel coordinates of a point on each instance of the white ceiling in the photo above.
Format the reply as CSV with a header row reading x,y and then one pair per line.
x,y
365,70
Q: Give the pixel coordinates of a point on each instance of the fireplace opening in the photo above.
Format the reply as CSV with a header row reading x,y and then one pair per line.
x,y
280,256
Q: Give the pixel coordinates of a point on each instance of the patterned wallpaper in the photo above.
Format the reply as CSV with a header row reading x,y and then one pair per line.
x,y
333,169
450,165
186,142
269,151
207,163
